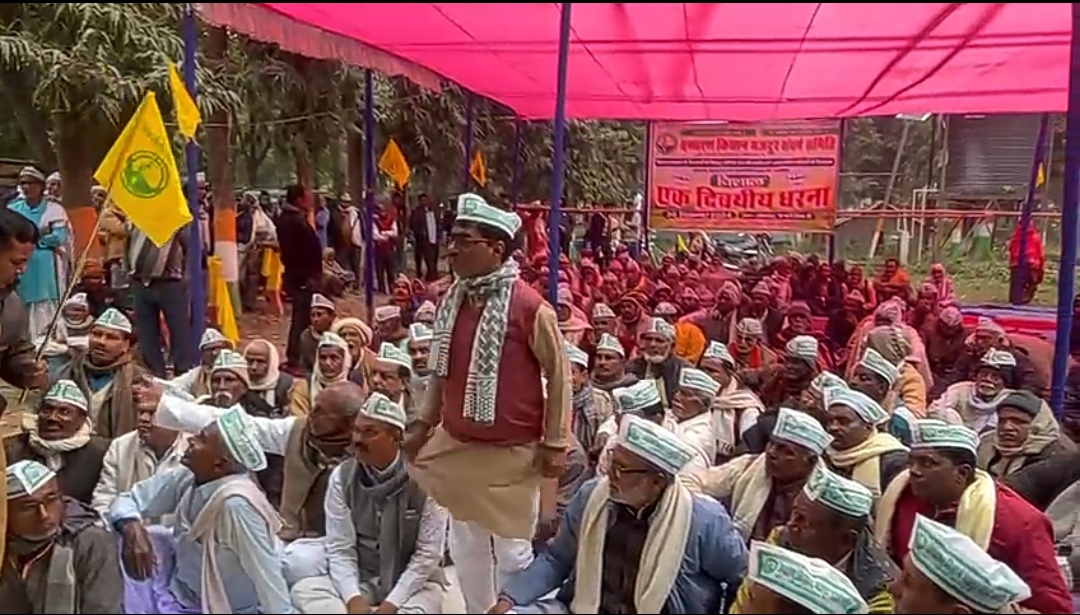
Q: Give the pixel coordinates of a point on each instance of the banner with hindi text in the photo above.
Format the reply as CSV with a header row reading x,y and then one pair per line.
x,y
734,176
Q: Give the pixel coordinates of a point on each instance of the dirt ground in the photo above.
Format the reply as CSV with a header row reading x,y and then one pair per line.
x,y
260,323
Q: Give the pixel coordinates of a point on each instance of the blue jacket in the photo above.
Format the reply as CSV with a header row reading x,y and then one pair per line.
x,y
712,567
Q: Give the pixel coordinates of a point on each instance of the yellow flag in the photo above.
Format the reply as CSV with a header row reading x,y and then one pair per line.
x,y
221,300
1040,178
394,165
477,168
140,175
680,244
187,112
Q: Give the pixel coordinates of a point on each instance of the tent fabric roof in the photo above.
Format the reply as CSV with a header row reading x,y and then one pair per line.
x,y
703,61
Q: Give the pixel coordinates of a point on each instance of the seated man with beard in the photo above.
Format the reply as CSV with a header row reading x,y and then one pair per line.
x,y
657,361
385,538
60,437
59,558
309,447
105,375
222,555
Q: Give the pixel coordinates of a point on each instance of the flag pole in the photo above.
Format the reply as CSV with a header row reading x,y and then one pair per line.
x,y
80,264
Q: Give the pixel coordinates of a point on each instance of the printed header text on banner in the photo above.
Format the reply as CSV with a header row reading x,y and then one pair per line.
x,y
773,176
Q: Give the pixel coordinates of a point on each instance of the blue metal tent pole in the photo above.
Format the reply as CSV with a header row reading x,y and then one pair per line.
x,y
558,145
1069,217
369,193
515,183
470,118
196,275
1018,281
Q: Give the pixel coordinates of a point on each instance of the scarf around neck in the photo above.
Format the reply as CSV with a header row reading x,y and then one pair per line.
x,y
385,491
53,450
481,384
584,421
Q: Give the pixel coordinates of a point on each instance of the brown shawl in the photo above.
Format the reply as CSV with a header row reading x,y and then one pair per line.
x,y
118,415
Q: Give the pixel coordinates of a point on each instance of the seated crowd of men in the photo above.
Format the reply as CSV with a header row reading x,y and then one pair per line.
x,y
748,479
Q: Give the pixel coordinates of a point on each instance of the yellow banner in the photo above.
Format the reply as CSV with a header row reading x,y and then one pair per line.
x,y
140,175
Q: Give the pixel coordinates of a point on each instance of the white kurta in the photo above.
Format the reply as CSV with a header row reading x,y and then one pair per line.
x,y
128,461
699,433
414,592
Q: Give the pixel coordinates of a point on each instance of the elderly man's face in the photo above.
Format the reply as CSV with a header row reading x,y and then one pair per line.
x,y
36,517
331,360
207,455
227,387
635,483
655,347
786,462
258,360
988,383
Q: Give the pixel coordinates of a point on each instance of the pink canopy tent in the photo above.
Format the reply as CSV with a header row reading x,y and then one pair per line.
x,y
698,61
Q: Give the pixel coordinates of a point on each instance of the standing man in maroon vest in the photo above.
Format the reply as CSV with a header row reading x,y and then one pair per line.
x,y
491,433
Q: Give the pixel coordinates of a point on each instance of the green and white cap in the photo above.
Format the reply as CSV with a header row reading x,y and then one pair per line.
x,y
609,343
26,477
719,352
801,429
873,361
473,208
999,359
114,319
807,582
659,326
382,408
636,397
958,566
844,496
212,337
860,403
827,380
697,380
803,347
389,353
577,356
67,392
655,444
232,361
238,431
931,433
419,332
318,300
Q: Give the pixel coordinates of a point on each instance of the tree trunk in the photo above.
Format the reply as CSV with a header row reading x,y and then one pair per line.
x,y
219,158
34,125
305,167
75,159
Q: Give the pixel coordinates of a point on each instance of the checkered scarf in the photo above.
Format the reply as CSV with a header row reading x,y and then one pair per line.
x,y
493,290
